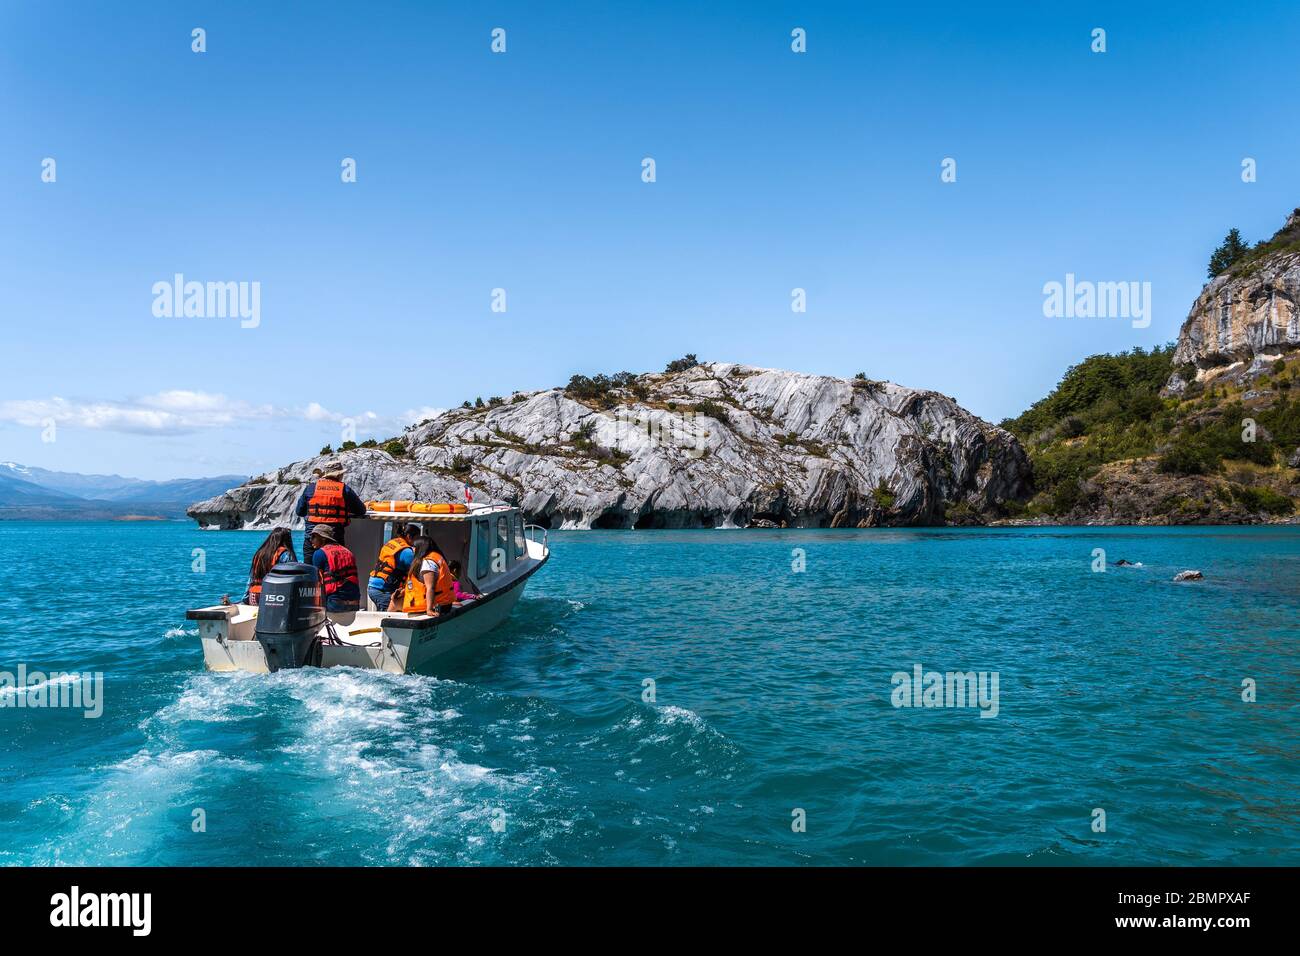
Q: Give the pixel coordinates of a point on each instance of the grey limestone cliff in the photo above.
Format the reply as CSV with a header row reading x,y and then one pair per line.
x,y
715,445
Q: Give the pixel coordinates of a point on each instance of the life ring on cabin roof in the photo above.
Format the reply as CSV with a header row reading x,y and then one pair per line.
x,y
389,505
438,508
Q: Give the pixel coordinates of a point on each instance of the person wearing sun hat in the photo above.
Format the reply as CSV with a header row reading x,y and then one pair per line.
x,y
327,501
337,567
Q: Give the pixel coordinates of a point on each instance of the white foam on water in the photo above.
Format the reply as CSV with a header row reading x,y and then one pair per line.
x,y
126,817
388,756
680,736
57,801
174,632
672,715
176,762
213,698
380,748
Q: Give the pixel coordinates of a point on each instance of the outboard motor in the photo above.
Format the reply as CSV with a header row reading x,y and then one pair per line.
x,y
290,614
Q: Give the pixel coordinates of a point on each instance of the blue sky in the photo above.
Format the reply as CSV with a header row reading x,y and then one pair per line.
x,y
522,171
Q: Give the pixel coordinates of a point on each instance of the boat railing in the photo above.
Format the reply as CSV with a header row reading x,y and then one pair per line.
x,y
545,535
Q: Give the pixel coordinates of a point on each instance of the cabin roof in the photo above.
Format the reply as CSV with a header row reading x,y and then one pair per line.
x,y
478,511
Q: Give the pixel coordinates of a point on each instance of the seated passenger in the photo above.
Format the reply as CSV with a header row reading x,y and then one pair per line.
x,y
461,594
429,575
337,569
276,549
392,567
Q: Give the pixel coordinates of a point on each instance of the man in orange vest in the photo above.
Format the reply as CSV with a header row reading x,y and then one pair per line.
x,y
327,501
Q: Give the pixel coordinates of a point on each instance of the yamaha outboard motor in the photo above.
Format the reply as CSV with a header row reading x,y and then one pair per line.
x,y
290,614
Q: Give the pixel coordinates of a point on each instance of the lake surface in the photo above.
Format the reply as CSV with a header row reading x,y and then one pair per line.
x,y
1117,691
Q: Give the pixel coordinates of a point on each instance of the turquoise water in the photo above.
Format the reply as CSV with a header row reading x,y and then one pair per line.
x,y
1119,691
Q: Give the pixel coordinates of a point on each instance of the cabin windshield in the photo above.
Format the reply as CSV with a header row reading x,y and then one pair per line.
x,y
499,545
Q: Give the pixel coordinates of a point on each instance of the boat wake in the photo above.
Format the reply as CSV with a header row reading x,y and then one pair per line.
x,y
364,767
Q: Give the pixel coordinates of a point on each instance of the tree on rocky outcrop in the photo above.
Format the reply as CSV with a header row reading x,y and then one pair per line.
x,y
687,361
883,497
1229,253
597,388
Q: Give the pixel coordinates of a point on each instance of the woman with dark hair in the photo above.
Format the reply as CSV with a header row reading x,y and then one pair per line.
x,y
429,583
276,549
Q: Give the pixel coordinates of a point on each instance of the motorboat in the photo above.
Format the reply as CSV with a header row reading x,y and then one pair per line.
x,y
497,551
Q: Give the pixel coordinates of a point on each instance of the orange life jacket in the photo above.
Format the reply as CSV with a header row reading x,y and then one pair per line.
x,y
326,504
256,575
415,600
386,566
342,568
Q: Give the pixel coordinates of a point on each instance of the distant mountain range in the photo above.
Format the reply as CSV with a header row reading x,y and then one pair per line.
x,y
27,492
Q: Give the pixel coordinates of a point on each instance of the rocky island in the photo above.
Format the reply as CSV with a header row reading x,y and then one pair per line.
x,y
707,444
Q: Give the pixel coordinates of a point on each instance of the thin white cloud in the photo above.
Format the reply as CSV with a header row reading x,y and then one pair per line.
x,y
167,413
413,416
181,411
315,412
183,400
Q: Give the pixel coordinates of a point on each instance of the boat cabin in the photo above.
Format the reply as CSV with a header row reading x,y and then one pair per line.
x,y
487,541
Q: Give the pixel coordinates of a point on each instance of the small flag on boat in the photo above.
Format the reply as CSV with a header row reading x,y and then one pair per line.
x,y
468,497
